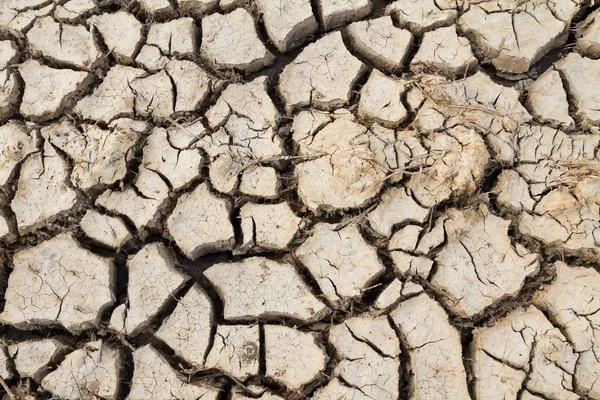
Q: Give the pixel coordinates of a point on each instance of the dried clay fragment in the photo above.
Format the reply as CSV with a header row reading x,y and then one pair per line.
x,y
293,357
516,35
121,33
434,348
17,141
70,45
381,42
369,351
153,281
341,261
334,13
268,226
104,229
188,329
93,370
345,168
523,349
58,283
235,350
479,265
322,75
573,302
201,230
231,41
289,23
154,378
261,288
32,358
48,90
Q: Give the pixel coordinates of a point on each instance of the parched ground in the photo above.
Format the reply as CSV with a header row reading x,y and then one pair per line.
x,y
300,199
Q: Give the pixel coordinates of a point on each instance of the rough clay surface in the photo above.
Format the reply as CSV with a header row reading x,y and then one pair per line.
x,y
299,200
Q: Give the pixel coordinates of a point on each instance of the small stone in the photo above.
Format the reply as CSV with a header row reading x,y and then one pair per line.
x,y
434,349
293,358
154,378
235,351
341,261
588,36
380,100
176,37
104,229
99,156
288,22
231,41
72,45
93,370
201,230
322,75
178,166
32,358
153,280
188,329
547,99
472,267
17,142
422,16
192,83
48,90
381,42
58,282
260,181
113,98
268,226
42,190
396,206
582,78
339,12
277,291
443,51
121,33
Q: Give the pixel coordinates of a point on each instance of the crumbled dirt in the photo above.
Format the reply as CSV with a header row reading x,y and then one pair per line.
x,y
299,199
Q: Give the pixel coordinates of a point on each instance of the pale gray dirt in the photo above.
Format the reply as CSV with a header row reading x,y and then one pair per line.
x,y
299,200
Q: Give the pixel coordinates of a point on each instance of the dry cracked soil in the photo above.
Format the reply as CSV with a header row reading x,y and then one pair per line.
x,y
300,199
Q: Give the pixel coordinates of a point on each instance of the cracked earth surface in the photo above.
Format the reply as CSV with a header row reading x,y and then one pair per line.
x,y
300,199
